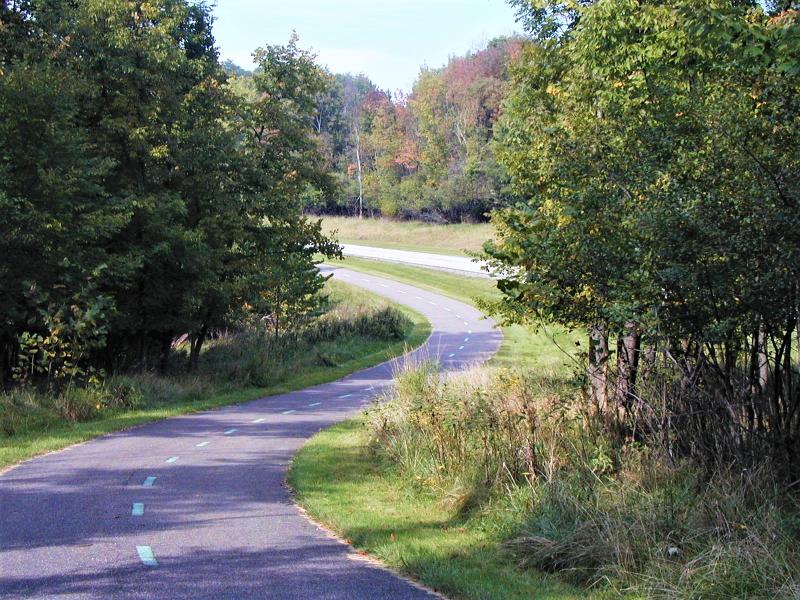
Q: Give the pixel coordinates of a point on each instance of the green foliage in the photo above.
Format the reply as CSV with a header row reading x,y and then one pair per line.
x,y
142,196
656,144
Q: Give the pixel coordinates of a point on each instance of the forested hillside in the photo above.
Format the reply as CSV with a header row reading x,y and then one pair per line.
x,y
426,155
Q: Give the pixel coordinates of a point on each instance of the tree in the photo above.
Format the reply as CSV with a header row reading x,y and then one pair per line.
x,y
655,144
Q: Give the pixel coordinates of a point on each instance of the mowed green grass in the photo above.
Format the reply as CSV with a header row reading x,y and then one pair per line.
x,y
346,485
409,235
355,355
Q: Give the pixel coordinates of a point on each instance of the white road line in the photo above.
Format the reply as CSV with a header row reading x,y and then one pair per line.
x,y
146,556
402,292
466,323
469,331
315,404
447,309
149,482
171,459
230,431
289,412
202,444
418,297
383,285
459,317
138,509
261,420
466,339
461,347
451,356
346,396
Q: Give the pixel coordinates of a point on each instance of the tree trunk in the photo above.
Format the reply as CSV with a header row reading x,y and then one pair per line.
x,y
628,351
195,347
763,359
598,369
360,180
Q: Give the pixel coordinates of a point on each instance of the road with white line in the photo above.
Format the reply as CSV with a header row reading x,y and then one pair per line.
x,y
196,506
459,264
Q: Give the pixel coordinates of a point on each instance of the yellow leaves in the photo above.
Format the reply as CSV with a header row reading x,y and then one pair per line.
x,y
552,90
619,84
161,151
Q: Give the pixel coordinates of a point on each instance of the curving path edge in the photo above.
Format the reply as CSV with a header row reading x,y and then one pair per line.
x,y
196,506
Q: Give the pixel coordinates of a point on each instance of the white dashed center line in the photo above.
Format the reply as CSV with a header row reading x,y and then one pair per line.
x,y
451,356
146,556
315,404
261,420
171,459
346,396
461,347
289,412
138,509
149,482
202,444
230,431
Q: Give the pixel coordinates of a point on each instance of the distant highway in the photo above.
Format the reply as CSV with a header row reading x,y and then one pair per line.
x,y
460,264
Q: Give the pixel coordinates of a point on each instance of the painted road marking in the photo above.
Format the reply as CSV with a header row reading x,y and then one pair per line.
x,y
172,459
261,420
315,404
230,431
466,323
149,482
447,309
146,556
459,317
451,356
418,297
289,412
432,303
466,339
469,331
383,285
402,292
203,444
461,347
346,396
138,509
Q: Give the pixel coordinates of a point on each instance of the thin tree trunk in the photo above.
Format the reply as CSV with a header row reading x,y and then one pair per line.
x,y
195,347
763,359
360,180
628,351
598,369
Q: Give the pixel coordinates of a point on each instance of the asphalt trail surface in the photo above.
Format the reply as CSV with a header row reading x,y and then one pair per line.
x,y
196,506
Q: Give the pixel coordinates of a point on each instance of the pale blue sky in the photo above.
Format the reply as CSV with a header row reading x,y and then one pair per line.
x,y
388,40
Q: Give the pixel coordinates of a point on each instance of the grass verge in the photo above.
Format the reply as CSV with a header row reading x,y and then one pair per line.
x,y
170,396
342,483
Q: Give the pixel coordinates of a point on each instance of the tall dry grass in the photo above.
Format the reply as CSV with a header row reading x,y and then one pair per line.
x,y
622,517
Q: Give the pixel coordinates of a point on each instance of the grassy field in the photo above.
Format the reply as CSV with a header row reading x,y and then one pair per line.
x,y
37,431
409,235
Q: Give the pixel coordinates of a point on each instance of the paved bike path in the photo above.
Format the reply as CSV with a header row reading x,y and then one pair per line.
x,y
196,506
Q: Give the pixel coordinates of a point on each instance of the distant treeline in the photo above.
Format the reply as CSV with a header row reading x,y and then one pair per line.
x,y
141,199
427,155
